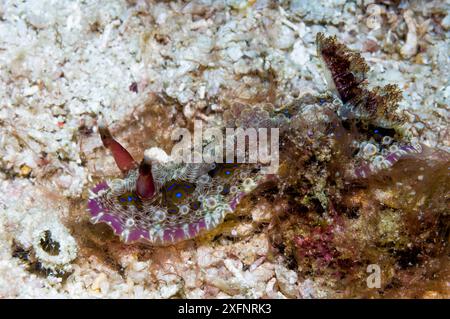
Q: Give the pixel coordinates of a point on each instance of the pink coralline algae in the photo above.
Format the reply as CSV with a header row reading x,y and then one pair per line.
x,y
316,245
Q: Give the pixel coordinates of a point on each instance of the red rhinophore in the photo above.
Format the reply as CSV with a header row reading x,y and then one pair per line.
x,y
123,159
145,186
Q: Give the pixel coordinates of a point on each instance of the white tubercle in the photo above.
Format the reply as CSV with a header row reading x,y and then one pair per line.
x,y
157,155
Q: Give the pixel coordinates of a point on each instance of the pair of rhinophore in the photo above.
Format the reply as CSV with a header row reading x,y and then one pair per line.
x,y
145,186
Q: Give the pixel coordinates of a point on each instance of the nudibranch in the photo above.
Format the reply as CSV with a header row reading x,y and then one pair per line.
x,y
164,202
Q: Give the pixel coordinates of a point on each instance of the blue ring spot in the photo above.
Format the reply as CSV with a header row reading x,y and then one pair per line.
x,y
178,195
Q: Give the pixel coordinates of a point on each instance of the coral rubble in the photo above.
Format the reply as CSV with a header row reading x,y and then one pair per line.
x,y
363,169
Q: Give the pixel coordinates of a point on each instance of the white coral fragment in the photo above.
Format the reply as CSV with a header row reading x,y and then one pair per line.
x,y
67,247
409,49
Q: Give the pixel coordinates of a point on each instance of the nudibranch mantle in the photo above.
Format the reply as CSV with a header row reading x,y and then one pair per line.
x,y
185,198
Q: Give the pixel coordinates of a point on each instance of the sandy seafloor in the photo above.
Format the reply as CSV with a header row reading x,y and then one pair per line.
x,y
64,63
